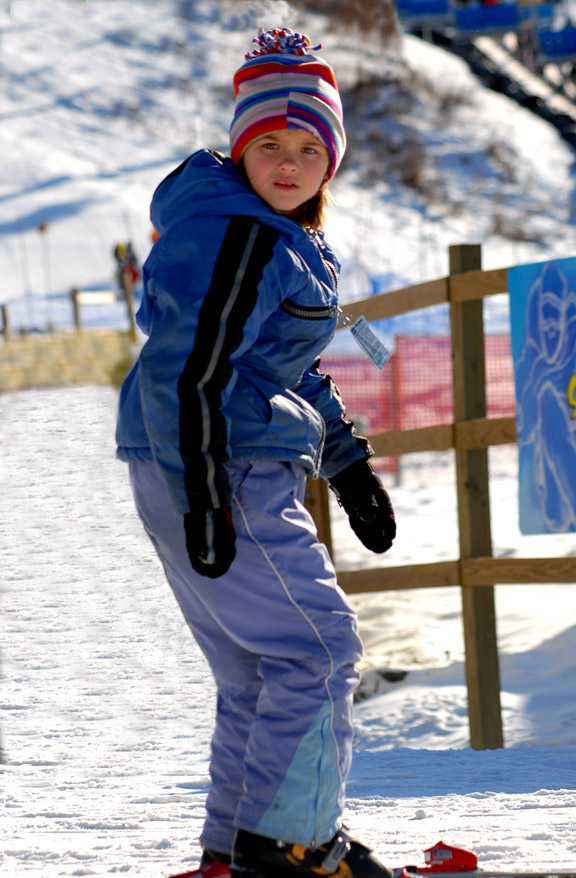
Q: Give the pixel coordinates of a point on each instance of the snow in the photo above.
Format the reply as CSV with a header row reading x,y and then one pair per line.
x,y
107,703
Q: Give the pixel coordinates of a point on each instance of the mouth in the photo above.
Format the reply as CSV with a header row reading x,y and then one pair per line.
x,y
285,185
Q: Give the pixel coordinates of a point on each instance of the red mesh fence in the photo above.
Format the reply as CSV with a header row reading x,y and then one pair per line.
x,y
415,388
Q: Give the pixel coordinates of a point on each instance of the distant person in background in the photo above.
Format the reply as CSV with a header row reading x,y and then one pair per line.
x,y
222,418
127,267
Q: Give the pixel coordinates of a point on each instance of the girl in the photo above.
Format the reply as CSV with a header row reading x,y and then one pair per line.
x,y
221,419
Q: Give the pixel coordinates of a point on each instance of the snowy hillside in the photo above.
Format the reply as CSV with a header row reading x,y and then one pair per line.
x,y
102,98
107,703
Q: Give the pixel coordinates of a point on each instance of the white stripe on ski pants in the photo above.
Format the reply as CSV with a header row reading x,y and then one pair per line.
x,y
282,644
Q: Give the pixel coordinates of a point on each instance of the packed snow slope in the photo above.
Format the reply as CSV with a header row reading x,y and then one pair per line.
x,y
107,703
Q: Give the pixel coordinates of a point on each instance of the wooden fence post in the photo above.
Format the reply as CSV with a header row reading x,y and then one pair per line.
x,y
128,287
317,503
76,308
5,322
396,411
472,483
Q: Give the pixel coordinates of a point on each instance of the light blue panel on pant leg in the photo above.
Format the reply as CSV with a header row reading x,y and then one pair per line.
x,y
298,809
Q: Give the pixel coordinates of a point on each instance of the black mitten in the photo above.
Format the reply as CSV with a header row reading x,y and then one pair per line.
x,y
210,541
363,497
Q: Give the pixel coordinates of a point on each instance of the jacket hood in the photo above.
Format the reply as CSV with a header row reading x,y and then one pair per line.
x,y
209,184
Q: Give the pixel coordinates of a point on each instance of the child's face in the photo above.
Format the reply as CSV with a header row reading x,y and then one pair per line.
x,y
286,168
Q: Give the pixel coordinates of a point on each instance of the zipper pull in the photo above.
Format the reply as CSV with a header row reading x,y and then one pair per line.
x,y
344,318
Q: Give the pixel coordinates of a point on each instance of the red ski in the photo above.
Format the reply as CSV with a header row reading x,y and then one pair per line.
x,y
442,861
413,872
211,870
445,861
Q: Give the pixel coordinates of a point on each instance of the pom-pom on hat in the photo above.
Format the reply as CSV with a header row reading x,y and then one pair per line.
x,y
282,86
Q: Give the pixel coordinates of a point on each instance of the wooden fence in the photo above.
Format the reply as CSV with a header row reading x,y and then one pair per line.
x,y
471,434
27,364
69,356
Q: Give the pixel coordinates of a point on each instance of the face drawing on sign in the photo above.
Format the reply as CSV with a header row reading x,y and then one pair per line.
x,y
551,324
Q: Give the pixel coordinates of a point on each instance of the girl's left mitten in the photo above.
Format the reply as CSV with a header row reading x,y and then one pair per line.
x,y
210,541
362,496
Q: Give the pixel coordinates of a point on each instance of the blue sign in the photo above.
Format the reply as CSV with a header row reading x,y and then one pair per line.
x,y
543,325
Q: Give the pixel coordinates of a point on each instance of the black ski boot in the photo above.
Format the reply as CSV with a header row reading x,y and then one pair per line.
x,y
209,856
258,857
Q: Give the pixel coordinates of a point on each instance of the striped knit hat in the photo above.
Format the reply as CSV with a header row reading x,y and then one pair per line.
x,y
281,86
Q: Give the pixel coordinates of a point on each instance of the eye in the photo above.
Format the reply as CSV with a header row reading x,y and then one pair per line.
x,y
310,150
269,144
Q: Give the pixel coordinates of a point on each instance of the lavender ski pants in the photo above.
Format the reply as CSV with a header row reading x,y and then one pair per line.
x,y
282,644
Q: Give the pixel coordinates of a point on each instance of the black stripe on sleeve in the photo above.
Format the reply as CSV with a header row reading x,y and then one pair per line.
x,y
246,250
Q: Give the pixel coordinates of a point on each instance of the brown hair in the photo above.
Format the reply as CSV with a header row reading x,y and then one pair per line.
x,y
312,214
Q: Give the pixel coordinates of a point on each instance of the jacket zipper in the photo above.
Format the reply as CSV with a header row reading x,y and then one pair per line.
x,y
331,269
309,312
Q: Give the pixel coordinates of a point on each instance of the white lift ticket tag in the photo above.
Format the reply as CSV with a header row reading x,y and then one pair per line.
x,y
367,339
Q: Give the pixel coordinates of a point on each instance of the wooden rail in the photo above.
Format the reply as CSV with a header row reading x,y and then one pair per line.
x,y
470,435
467,572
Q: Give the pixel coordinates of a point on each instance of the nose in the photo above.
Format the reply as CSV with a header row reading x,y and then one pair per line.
x,y
288,160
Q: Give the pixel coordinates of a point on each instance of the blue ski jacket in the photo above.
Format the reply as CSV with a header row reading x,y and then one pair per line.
x,y
238,304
